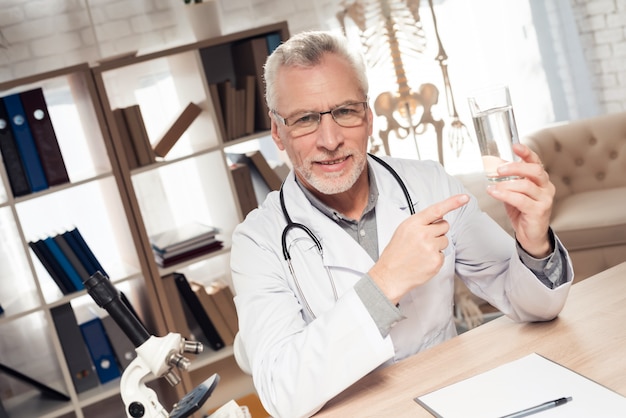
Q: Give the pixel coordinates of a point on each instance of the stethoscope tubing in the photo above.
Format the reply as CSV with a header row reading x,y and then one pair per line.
x,y
295,225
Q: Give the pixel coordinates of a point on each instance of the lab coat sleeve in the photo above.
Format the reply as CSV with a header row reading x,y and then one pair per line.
x,y
297,366
487,261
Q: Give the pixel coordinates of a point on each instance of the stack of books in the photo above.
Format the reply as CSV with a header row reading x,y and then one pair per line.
x,y
184,243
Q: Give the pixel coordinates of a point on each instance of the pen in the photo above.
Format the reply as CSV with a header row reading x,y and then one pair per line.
x,y
538,408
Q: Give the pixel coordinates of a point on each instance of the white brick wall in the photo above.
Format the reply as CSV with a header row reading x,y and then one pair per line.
x,y
602,27
41,35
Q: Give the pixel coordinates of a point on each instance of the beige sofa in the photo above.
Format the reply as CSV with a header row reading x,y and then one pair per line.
x,y
586,160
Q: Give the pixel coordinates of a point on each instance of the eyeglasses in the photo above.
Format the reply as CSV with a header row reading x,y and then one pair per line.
x,y
348,116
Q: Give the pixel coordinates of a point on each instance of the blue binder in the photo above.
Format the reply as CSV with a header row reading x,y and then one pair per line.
x,y
25,143
100,350
70,271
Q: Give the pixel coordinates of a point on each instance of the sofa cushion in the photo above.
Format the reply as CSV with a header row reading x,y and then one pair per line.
x,y
591,219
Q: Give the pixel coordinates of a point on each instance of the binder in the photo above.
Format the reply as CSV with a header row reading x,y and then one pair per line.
x,y
198,312
123,348
69,270
100,350
52,266
72,257
177,309
45,138
77,356
76,241
11,156
25,143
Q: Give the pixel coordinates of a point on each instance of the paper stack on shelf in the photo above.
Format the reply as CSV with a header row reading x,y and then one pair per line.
x,y
184,243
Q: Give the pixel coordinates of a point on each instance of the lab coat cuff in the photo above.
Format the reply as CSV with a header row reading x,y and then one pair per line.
x,y
384,313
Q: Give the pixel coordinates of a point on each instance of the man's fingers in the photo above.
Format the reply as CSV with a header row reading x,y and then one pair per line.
x,y
437,211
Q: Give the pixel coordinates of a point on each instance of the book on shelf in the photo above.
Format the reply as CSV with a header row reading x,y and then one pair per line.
x,y
240,112
176,129
127,142
217,318
264,178
166,260
226,94
273,41
224,299
175,304
219,109
77,357
139,135
182,236
249,57
249,87
242,179
45,138
25,143
198,312
269,175
100,350
11,156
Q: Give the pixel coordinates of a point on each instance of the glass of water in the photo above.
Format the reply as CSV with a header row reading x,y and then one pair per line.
x,y
494,122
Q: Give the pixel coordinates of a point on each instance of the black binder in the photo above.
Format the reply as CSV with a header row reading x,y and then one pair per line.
x,y
75,351
198,312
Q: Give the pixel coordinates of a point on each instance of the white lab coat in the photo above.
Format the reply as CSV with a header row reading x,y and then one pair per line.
x,y
299,363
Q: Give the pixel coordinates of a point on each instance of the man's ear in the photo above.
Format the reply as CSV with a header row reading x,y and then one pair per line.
x,y
275,133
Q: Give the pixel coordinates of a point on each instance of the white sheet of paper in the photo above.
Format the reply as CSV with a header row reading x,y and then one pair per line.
x,y
520,384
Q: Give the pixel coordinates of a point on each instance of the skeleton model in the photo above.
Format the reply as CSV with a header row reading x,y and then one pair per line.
x,y
390,32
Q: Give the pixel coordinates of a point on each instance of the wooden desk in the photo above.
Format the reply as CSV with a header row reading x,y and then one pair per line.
x,y
589,337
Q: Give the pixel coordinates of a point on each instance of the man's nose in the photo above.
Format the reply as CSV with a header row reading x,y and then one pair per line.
x,y
329,133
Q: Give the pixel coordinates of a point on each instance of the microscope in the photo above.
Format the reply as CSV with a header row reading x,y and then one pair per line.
x,y
156,356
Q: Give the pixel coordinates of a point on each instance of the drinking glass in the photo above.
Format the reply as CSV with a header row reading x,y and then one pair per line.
x,y
494,122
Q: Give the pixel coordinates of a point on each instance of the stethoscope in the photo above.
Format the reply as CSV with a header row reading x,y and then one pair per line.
x,y
295,225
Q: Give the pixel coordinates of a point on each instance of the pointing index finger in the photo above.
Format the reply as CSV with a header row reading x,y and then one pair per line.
x,y
436,212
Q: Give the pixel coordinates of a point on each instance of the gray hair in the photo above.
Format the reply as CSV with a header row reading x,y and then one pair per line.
x,y
307,49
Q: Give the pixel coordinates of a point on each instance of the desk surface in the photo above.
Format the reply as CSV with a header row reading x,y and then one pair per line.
x,y
589,337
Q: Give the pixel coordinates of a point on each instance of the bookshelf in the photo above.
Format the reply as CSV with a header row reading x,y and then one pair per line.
x,y
92,201
192,182
117,206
